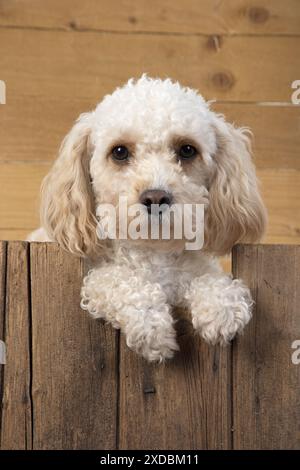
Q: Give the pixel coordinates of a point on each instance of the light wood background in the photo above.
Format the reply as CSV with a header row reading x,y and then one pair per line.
x,y
58,58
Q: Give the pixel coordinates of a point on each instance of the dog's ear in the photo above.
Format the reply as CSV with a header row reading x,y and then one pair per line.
x,y
236,212
67,202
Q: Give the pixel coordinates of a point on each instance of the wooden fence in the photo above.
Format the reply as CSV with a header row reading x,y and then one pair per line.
x,y
59,58
71,383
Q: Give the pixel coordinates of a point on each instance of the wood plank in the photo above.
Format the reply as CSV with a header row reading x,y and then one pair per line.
x,y
194,16
266,383
172,406
281,193
276,136
16,430
19,194
74,386
3,252
32,129
37,63
20,182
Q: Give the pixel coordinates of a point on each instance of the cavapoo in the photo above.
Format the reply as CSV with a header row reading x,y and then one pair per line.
x,y
158,144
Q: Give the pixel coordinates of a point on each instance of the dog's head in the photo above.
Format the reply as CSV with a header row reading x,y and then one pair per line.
x,y
153,142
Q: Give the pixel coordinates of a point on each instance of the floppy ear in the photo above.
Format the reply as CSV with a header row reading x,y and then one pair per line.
x,y
67,205
236,212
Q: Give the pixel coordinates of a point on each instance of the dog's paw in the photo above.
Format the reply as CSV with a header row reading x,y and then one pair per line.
x,y
154,345
221,326
224,312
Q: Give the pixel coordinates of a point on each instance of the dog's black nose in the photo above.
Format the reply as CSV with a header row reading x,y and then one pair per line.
x,y
155,196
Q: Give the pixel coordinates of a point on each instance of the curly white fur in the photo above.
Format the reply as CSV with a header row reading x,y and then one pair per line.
x,y
134,284
220,307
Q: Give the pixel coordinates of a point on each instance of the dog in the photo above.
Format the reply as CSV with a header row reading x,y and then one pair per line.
x,y
156,144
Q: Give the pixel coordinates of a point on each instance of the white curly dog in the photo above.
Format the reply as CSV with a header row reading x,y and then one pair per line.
x,y
156,142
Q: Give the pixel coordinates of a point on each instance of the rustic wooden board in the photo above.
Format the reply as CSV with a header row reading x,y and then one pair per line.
x,y
74,382
3,251
20,182
275,128
183,404
16,426
190,16
265,381
66,65
68,384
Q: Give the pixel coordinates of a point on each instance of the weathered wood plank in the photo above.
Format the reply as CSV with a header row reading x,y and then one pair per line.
x,y
74,386
20,182
172,406
67,65
61,378
275,128
3,251
265,381
16,430
190,16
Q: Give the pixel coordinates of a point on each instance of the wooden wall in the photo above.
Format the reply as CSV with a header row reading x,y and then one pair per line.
x,y
58,58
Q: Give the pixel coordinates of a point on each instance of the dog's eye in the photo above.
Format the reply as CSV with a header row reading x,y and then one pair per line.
x,y
187,152
120,153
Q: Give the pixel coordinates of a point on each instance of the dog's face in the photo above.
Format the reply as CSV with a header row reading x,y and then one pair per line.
x,y
152,145
153,142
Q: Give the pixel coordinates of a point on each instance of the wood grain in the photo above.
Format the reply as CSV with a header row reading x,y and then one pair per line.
x,y
265,381
189,16
68,386
74,386
33,129
16,428
19,194
275,129
281,193
3,253
172,406
90,64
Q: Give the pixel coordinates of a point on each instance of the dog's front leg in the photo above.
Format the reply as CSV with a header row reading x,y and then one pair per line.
x,y
220,306
134,304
